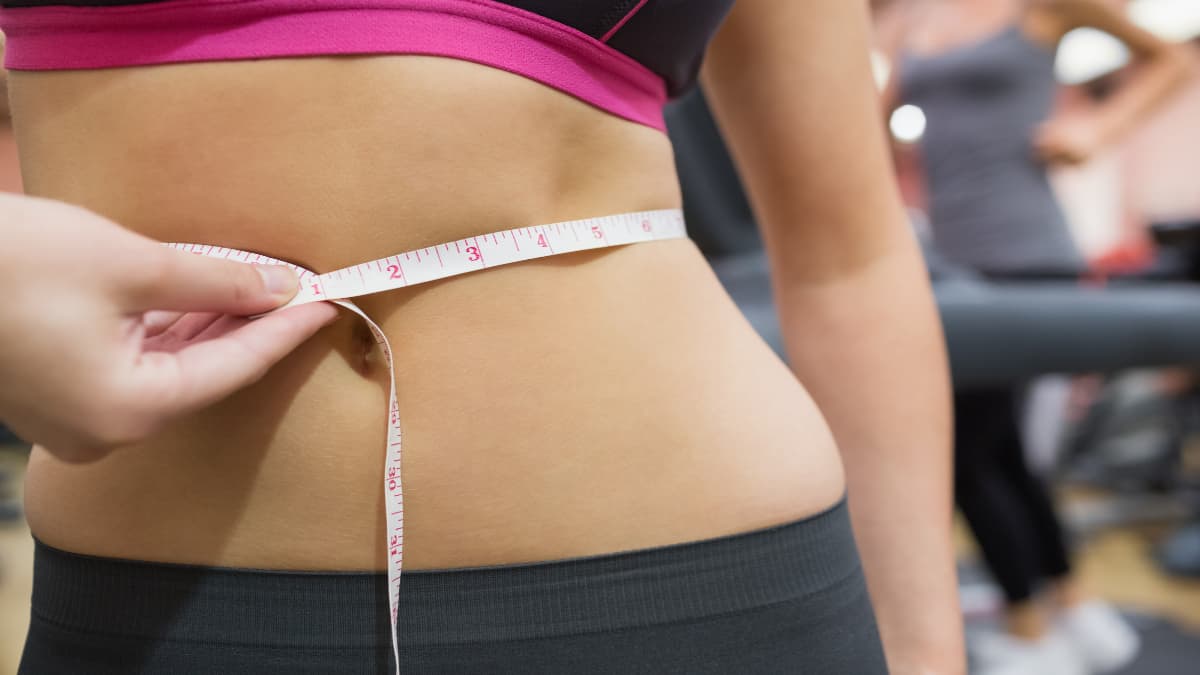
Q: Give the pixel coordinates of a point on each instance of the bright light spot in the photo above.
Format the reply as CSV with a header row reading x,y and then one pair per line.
x,y
1086,53
881,68
908,124
1172,19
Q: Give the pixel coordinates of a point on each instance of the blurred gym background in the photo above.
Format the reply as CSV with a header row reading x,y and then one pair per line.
x,y
1120,444
1120,447
1111,408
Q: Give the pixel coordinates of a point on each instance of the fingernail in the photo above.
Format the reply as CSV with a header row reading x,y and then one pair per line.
x,y
278,279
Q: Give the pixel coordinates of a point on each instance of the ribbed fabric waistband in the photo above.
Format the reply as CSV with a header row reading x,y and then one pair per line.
x,y
576,596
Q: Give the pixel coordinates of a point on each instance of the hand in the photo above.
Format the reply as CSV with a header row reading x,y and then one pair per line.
x,y
105,334
1067,142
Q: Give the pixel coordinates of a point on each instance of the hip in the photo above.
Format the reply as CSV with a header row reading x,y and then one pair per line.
x,y
786,599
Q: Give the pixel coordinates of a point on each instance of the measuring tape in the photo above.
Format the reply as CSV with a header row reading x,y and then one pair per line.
x,y
439,262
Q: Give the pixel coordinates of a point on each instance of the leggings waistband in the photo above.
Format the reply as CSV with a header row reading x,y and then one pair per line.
x,y
674,583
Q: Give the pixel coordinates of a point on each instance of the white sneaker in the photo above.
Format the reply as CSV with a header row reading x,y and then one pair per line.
x,y
1000,654
1104,640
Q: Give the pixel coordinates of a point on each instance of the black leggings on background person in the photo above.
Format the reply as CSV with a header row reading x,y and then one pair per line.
x,y
1008,508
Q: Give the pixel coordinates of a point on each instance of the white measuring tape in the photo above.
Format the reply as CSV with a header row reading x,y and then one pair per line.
x,y
439,262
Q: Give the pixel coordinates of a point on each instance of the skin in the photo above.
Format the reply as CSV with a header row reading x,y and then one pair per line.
x,y
1162,70
852,297
583,404
166,336
934,26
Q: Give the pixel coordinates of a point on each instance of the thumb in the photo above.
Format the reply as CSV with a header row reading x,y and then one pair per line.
x,y
188,282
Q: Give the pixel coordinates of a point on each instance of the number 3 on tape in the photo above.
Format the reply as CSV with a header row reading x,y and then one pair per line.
x,y
439,262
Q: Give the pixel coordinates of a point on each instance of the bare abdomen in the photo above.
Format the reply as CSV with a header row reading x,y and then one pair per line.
x,y
582,404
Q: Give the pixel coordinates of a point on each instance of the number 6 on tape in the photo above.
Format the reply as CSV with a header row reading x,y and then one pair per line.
x,y
439,262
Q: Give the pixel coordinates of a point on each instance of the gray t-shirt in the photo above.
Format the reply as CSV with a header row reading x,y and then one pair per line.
x,y
991,204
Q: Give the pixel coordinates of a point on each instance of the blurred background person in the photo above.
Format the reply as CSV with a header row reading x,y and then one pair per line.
x,y
1005,332
983,73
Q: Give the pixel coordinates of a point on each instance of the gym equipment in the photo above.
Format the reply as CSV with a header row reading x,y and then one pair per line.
x,y
1180,553
1007,333
997,333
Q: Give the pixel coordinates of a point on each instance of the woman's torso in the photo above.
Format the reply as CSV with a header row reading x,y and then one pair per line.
x,y
991,203
577,405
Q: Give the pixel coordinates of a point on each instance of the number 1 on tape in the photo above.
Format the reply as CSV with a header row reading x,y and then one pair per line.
x,y
439,262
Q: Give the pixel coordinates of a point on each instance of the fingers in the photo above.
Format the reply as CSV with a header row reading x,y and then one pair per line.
x,y
185,328
175,280
156,322
209,370
1061,157
1054,151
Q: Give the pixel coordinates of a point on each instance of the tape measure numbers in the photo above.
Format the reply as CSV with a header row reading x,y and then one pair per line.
x,y
439,262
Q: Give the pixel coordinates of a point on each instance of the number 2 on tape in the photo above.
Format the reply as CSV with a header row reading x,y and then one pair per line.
x,y
380,275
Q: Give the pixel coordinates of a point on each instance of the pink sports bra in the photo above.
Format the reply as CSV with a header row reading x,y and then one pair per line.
x,y
626,57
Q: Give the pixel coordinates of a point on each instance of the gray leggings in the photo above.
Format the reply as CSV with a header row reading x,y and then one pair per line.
x,y
785,600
